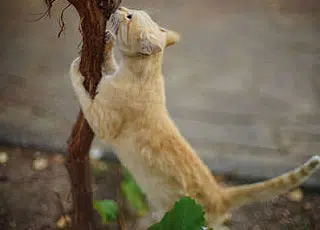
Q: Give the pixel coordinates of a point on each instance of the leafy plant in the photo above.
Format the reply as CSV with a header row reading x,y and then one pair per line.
x,y
134,194
107,210
185,215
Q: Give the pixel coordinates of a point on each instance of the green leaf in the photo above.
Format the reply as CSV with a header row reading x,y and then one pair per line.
x,y
107,209
134,194
185,215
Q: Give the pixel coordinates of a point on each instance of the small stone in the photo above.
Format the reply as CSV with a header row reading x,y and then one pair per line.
x,y
68,219
96,152
40,163
3,157
58,158
296,195
307,206
63,222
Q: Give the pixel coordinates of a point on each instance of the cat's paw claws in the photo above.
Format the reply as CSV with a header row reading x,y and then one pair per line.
x,y
109,37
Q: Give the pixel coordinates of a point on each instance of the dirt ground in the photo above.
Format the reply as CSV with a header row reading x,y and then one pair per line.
x,y
35,199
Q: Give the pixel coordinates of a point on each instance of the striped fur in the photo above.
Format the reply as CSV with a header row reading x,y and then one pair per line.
x,y
246,194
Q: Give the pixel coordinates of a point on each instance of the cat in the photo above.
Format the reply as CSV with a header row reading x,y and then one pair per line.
x,y
129,112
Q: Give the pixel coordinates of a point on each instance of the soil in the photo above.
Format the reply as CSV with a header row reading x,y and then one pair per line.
x,y
35,199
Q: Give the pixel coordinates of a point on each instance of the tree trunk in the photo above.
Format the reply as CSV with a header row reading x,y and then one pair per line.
x,y
93,15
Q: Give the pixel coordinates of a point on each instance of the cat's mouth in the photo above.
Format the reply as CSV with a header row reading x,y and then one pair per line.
x,y
113,23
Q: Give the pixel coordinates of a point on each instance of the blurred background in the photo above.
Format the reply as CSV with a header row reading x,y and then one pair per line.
x,y
243,84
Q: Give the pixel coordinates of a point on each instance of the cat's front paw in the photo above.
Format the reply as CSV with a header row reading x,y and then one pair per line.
x,y
75,74
109,37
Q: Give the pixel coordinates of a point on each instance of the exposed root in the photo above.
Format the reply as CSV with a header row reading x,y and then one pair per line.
x,y
47,13
61,20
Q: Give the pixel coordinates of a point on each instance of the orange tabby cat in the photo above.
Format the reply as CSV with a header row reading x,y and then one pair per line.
x,y
130,112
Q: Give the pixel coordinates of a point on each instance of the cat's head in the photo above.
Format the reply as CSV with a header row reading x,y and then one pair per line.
x,y
137,33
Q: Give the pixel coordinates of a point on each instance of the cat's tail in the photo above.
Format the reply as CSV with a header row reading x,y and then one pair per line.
x,y
240,195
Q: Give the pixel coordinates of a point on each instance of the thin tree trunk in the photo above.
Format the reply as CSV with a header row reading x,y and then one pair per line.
x,y
93,22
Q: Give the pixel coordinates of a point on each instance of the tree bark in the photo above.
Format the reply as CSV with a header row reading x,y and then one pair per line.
x,y
93,15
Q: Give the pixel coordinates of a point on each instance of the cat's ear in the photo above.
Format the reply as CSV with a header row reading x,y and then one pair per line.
x,y
148,45
172,37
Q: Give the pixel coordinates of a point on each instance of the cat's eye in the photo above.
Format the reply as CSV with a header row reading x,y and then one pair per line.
x,y
129,16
